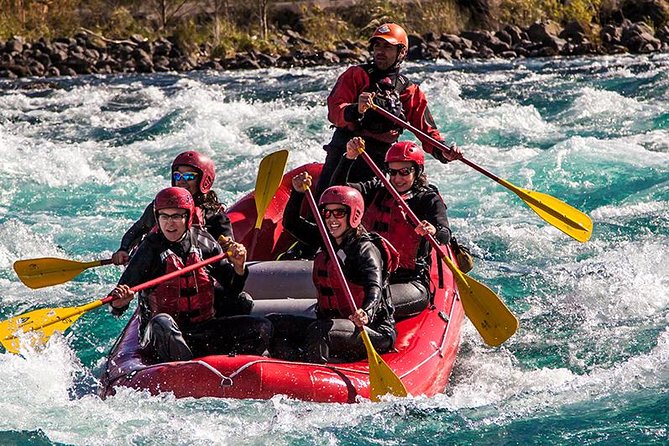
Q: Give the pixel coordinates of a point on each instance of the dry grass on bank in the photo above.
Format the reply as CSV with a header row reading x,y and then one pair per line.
x,y
234,25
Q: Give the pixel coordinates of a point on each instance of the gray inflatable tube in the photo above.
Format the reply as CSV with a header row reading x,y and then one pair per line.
x,y
283,286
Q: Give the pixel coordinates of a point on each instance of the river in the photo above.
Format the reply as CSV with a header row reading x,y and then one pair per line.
x,y
82,157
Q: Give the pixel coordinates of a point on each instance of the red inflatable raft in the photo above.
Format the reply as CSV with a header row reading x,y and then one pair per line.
x,y
425,350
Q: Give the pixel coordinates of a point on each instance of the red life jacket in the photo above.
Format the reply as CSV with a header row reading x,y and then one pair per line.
x,y
387,219
188,298
331,294
388,90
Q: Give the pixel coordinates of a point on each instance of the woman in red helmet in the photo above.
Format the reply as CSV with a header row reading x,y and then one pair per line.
x,y
195,173
364,258
404,162
177,317
381,82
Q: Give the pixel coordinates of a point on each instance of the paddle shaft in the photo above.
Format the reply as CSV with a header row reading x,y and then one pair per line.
x,y
492,319
524,195
168,276
94,263
400,201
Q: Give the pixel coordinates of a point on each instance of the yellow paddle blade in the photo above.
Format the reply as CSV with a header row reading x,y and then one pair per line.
x,y
270,173
566,218
41,324
48,271
382,379
491,318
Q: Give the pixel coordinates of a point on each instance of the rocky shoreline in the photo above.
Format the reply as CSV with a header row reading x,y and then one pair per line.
x,y
89,53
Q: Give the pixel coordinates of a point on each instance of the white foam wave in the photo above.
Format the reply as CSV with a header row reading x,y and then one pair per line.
x,y
629,280
492,378
593,104
19,240
617,214
35,384
484,118
513,120
54,164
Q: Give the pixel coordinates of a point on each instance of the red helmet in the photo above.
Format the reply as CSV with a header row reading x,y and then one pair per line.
x,y
175,197
391,33
204,164
405,151
349,197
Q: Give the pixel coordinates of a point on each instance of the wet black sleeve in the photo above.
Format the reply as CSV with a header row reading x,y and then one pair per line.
x,y
302,229
367,189
138,230
145,265
366,269
218,224
351,113
232,282
432,208
340,175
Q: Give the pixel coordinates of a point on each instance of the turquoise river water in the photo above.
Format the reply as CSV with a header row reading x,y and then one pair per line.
x,y
80,159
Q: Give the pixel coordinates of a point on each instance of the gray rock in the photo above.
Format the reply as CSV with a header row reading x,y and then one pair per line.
x,y
573,32
330,58
543,32
15,45
516,34
8,74
19,70
52,72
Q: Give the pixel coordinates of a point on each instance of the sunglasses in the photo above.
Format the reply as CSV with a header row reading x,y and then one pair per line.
x,y
336,213
172,217
403,172
186,176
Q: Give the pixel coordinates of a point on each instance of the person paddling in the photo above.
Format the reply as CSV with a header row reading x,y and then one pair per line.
x,y
377,82
196,173
349,102
365,259
177,320
404,162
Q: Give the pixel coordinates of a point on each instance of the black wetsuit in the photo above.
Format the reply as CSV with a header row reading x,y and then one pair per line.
x,y
164,338
329,337
409,288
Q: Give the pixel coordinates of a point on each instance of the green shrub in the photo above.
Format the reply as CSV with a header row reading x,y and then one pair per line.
x,y
34,19
324,27
440,16
120,24
526,12
9,26
584,12
365,16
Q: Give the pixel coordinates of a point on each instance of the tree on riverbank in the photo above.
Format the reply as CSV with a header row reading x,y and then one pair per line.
x,y
241,25
123,36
